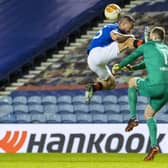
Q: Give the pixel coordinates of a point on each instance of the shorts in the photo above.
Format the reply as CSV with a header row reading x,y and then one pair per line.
x,y
158,94
99,57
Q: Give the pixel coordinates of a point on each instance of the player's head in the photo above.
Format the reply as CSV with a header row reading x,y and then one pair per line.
x,y
157,33
126,23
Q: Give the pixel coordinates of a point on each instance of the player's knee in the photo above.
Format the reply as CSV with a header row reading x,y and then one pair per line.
x,y
132,82
109,83
149,112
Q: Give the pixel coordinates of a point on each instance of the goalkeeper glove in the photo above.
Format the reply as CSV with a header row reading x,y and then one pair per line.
x,y
115,68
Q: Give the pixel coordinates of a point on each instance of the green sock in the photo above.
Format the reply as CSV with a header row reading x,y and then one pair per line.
x,y
152,131
132,98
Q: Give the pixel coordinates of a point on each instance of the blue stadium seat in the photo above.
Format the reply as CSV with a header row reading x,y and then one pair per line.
x,y
5,100
64,99
46,100
68,118
96,108
19,100
9,118
115,118
100,118
123,99
36,108
53,118
124,108
79,99
50,108
142,100
23,118
38,118
162,118
34,100
65,108
126,117
112,108
84,118
6,109
140,108
21,108
109,99
141,118
164,109
81,108
96,99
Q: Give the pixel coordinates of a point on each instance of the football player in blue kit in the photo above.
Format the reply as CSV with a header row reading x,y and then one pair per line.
x,y
106,46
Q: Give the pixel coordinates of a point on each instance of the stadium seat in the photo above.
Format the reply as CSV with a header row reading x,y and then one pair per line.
x,y
23,118
50,108
19,100
142,100
124,108
79,99
5,100
81,108
164,109
65,108
96,99
6,109
161,118
68,118
53,118
115,118
141,108
100,118
9,118
84,118
96,108
36,108
109,99
21,108
64,99
38,118
34,100
123,100
112,108
46,100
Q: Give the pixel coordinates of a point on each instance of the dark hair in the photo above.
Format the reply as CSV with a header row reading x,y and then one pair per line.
x,y
159,32
127,18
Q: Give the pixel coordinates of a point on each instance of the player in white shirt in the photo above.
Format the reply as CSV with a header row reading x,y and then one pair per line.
x,y
104,47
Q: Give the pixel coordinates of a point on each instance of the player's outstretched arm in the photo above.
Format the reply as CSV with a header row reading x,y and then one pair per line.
x,y
120,37
139,66
132,57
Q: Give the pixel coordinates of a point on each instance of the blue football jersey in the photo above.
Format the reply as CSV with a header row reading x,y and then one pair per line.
x,y
103,37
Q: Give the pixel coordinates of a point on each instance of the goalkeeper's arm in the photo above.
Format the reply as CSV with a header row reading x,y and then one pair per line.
x,y
139,66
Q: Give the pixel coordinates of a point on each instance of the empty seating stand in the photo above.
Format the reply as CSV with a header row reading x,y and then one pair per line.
x,y
70,107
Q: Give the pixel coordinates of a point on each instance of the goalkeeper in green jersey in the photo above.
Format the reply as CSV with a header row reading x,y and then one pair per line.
x,y
154,85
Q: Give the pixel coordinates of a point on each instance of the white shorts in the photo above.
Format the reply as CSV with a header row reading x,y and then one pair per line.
x,y
99,57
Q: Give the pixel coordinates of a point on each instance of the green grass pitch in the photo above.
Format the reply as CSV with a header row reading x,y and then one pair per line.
x,y
81,161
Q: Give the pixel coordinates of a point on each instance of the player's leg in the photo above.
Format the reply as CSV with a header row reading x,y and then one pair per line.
x,y
152,126
97,61
132,98
155,104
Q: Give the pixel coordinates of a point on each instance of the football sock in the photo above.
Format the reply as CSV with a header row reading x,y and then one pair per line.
x,y
132,98
152,131
97,86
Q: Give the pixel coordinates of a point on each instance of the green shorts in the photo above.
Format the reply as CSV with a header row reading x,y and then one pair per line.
x,y
158,94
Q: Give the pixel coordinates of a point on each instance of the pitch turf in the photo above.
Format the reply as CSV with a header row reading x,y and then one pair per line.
x,y
81,161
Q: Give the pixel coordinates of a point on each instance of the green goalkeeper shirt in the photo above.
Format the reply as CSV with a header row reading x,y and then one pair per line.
x,y
155,61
